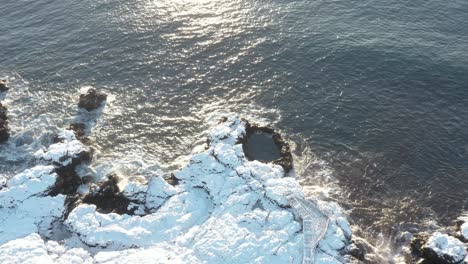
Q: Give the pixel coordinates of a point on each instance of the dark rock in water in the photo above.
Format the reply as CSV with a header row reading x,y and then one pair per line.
x,y
3,112
108,198
3,86
92,99
266,145
4,129
79,129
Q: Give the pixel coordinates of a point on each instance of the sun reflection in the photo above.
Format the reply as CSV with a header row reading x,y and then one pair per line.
x,y
193,17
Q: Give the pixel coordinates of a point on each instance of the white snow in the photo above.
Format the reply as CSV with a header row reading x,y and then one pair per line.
x,y
225,209
27,250
464,230
62,153
24,207
446,246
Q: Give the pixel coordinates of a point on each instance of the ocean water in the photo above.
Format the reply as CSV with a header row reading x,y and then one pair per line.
x,y
373,95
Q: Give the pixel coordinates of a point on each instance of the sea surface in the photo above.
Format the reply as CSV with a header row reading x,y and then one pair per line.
x,y
372,95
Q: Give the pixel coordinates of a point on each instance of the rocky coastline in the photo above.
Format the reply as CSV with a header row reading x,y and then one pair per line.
x,y
222,206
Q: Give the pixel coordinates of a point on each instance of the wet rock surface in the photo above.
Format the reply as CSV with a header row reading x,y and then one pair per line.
x,y
4,129
264,144
79,129
92,99
3,86
108,198
358,249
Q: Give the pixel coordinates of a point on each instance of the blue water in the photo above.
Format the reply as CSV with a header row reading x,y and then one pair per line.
x,y
378,90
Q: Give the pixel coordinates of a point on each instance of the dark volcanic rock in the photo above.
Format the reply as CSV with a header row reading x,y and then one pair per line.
x,y
417,243
108,198
79,129
3,86
285,157
68,180
4,129
92,99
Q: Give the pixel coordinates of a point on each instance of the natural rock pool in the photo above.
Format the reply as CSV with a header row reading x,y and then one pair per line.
x,y
261,146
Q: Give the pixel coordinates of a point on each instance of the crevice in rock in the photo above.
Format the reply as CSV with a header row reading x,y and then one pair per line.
x,y
172,180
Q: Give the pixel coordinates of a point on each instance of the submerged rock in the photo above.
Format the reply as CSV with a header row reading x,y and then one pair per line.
x,y
92,99
4,129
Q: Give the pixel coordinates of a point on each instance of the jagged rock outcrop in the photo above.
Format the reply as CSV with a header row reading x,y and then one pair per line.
x,y
92,99
108,197
66,154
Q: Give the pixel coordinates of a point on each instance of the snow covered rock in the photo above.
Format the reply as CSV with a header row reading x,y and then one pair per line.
x,y
66,151
464,231
158,191
66,154
224,209
442,248
30,249
25,207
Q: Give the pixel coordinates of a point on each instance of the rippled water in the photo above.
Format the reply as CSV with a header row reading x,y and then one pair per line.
x,y
373,94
